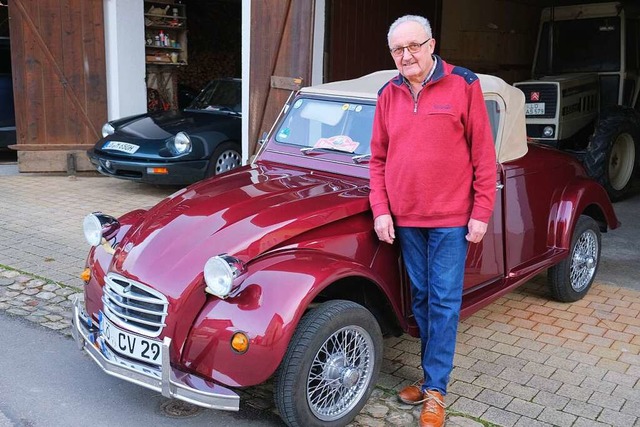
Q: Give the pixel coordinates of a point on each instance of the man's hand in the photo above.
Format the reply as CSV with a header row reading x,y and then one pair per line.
x,y
383,225
476,229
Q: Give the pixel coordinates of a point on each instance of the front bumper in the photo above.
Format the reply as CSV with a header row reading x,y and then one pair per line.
x,y
181,172
171,382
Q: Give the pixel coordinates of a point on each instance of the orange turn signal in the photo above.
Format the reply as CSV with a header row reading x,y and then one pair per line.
x,y
240,342
86,274
158,171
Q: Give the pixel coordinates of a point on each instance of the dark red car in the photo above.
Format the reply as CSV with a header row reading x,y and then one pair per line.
x,y
274,269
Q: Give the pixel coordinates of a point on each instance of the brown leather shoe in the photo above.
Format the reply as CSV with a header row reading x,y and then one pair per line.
x,y
412,394
432,414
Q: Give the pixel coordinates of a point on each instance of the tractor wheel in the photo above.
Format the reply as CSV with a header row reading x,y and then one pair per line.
x,y
330,367
612,153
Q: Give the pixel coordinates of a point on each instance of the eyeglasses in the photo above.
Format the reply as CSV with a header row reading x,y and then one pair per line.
x,y
412,48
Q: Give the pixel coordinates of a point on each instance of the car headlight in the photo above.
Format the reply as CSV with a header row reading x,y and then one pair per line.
x,y
107,129
219,273
181,143
98,225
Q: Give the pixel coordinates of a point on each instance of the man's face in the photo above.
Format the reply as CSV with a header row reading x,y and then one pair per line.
x,y
414,66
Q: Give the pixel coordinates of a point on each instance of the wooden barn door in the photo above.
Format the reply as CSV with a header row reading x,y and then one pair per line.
x,y
59,76
356,40
281,46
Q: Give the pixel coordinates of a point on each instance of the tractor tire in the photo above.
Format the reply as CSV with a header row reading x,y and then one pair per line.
x,y
612,154
331,366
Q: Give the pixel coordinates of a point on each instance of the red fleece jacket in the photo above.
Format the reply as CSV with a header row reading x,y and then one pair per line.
x,y
433,161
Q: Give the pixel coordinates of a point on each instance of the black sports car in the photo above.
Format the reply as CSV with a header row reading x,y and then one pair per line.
x,y
176,147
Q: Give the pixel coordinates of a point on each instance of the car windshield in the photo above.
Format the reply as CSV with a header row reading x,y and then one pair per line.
x,y
219,95
325,124
581,45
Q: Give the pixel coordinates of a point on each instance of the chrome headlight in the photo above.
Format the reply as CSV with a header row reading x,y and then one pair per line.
x,y
181,143
107,129
98,225
219,273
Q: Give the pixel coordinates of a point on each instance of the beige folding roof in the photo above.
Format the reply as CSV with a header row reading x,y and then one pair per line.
x,y
512,134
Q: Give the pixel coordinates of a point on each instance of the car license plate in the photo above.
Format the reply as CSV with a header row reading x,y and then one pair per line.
x,y
121,146
534,109
130,345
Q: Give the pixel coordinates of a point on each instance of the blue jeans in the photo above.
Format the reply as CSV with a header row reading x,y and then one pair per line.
x,y
435,258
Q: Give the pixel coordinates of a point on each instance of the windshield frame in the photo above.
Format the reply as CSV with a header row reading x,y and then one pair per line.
x,y
212,89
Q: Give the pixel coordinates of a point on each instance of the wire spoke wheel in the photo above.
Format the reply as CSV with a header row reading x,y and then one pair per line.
x,y
584,261
340,373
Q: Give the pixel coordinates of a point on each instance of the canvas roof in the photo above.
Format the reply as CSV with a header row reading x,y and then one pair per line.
x,y
512,139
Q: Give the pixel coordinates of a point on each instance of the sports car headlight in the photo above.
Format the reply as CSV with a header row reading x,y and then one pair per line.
x,y
107,129
98,225
181,143
219,273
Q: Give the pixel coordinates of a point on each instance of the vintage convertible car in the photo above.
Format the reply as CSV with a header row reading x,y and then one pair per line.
x,y
274,268
175,147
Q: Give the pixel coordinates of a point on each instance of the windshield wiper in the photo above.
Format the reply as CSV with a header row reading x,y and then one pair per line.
x,y
361,158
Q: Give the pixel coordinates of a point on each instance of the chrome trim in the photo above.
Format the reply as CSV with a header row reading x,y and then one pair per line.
x,y
168,380
123,303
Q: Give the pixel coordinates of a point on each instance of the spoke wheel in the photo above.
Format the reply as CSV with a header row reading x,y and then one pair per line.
x,y
331,366
571,278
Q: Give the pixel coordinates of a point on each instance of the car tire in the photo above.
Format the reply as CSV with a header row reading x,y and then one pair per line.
x,y
571,279
225,157
336,351
612,154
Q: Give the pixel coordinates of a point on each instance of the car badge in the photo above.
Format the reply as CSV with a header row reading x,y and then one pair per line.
x,y
535,96
107,164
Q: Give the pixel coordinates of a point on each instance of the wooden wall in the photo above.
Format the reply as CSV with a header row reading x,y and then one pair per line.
x,y
59,80
281,49
491,36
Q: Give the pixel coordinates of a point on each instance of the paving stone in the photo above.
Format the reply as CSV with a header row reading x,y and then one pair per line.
x,y
528,422
470,407
544,384
46,295
582,409
557,418
6,281
520,391
573,392
616,419
551,400
584,422
464,389
523,407
500,417
494,398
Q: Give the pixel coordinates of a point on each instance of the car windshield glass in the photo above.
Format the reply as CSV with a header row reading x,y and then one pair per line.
x,y
581,45
324,124
219,95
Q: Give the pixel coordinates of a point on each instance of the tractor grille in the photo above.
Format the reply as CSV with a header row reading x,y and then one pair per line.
x,y
134,306
548,95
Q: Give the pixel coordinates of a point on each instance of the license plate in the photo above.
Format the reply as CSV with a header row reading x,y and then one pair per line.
x,y
534,109
121,146
130,345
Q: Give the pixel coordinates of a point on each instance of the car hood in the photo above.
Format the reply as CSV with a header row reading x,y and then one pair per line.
x,y
165,125
244,213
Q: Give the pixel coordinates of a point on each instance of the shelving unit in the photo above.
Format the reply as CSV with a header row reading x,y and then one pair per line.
x,y
165,46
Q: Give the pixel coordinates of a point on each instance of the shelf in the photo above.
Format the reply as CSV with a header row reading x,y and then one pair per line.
x,y
164,27
151,15
177,49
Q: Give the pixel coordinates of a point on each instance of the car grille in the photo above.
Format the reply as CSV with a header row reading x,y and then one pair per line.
x,y
134,306
548,95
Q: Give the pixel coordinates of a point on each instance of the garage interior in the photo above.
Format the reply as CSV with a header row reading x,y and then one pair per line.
x,y
488,36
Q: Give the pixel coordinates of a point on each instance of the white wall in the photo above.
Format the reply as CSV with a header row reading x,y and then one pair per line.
x,y
125,56
246,38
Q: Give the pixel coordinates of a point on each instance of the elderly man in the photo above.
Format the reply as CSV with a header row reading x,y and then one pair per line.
x,y
433,183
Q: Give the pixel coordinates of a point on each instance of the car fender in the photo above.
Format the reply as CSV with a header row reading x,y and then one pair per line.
x,y
582,196
271,300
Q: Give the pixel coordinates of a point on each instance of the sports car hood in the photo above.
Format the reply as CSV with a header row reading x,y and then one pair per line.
x,y
164,125
244,213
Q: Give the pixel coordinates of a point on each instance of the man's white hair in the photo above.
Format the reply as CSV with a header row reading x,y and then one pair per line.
x,y
424,22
